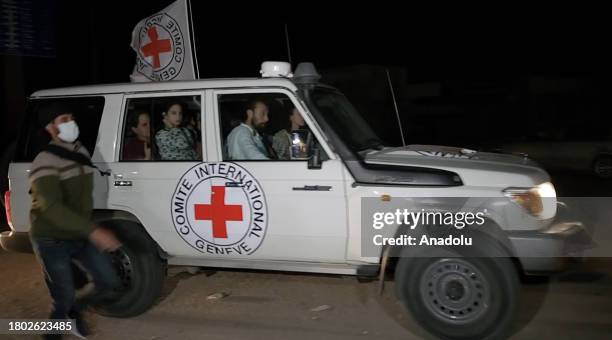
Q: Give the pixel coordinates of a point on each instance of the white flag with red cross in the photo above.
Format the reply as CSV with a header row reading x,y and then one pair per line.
x,y
163,45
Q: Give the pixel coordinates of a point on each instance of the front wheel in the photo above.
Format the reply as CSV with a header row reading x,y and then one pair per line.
x,y
457,296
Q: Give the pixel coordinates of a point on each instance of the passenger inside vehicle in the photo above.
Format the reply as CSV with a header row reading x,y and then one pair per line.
x,y
138,137
245,142
176,141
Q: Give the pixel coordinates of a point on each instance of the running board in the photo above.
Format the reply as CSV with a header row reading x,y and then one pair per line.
x,y
289,266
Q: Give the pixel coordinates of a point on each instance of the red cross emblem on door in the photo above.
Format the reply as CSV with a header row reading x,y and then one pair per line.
x,y
156,46
218,212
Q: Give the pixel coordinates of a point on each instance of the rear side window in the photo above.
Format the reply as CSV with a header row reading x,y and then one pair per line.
x,y
162,129
33,137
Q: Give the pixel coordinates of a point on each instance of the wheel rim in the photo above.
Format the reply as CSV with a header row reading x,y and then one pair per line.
x,y
603,167
123,266
455,291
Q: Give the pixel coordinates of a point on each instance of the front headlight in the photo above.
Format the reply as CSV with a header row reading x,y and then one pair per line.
x,y
540,201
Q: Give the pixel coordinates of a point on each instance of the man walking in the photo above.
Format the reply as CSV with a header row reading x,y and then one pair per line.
x,y
61,228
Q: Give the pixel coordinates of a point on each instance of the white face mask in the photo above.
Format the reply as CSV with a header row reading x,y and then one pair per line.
x,y
68,132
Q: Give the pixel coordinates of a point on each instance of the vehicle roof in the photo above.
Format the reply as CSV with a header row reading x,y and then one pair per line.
x,y
166,86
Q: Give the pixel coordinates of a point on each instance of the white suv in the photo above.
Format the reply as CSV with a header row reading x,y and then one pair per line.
x,y
306,212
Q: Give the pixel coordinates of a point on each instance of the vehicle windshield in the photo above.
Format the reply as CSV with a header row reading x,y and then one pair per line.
x,y
342,116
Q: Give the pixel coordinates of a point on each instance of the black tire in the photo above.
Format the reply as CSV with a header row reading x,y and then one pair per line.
x,y
602,166
455,295
140,269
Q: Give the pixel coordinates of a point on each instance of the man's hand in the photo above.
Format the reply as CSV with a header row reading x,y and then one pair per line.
x,y
104,240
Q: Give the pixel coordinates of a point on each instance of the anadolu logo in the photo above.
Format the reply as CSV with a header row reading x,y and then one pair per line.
x,y
220,209
161,48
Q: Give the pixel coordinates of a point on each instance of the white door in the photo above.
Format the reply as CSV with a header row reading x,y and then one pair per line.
x,y
277,209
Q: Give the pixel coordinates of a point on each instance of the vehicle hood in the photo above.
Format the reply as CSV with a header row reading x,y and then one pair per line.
x,y
474,167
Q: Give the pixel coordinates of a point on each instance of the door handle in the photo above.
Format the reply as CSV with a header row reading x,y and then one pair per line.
x,y
123,183
313,188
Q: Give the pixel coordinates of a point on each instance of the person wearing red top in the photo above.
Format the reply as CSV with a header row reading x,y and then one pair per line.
x,y
139,146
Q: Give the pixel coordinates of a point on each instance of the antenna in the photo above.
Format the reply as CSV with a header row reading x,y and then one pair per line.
x,y
399,122
288,45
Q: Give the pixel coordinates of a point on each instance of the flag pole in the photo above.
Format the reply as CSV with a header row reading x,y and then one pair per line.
x,y
192,35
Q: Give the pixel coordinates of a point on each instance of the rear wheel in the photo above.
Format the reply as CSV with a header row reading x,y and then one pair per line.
x,y
140,269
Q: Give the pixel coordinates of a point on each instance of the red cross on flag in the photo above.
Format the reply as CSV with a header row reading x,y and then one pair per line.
x,y
163,45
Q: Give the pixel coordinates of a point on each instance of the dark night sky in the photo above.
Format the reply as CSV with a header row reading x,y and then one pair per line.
x,y
92,44
95,37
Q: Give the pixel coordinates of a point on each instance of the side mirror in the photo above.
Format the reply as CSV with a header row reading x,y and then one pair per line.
x,y
314,162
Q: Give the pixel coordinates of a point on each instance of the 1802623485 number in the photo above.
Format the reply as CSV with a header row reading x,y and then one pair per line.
x,y
38,326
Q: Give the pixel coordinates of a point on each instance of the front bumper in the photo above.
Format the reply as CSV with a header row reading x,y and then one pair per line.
x,y
16,241
550,249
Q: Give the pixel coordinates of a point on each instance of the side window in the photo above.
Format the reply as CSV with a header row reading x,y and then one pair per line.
x,y
263,126
87,113
162,129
